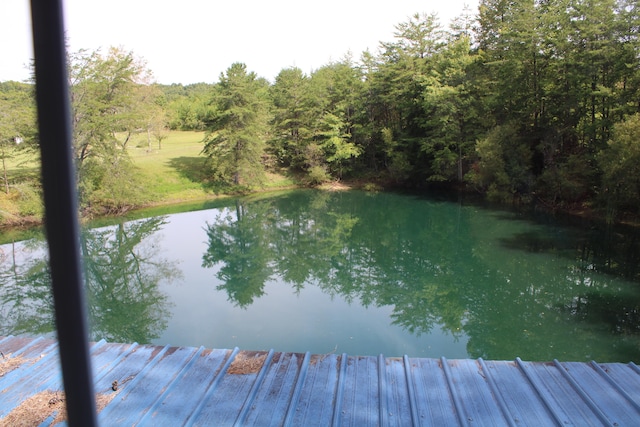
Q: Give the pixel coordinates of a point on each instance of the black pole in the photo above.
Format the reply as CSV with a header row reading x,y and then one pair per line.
x,y
61,216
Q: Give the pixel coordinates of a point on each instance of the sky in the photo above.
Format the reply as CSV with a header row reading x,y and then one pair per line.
x,y
190,41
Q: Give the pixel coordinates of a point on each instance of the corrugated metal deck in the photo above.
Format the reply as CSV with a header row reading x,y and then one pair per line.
x,y
195,386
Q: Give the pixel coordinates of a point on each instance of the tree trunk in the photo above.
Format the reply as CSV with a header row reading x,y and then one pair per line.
x,y
4,171
459,162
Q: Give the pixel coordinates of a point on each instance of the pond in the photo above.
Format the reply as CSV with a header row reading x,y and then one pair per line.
x,y
347,272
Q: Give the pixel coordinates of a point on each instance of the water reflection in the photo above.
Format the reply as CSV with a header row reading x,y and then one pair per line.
x,y
371,273
238,242
347,246
25,301
513,287
123,272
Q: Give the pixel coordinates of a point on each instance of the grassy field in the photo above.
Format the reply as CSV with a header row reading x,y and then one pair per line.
x,y
176,172
22,205
173,173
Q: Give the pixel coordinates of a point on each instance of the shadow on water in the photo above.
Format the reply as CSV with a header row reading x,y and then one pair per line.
x,y
594,250
535,243
617,314
613,250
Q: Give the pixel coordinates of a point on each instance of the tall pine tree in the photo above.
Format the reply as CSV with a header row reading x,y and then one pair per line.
x,y
238,127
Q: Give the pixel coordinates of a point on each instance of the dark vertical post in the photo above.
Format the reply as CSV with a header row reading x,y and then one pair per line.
x,y
58,180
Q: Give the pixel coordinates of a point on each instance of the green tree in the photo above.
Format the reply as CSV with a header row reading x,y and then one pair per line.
x,y
593,55
238,127
627,21
104,94
157,127
335,144
396,88
420,37
109,101
292,117
462,25
157,116
188,106
509,49
336,90
503,169
450,118
17,122
620,163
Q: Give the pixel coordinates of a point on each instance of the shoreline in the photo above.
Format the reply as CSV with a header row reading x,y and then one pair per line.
x,y
15,222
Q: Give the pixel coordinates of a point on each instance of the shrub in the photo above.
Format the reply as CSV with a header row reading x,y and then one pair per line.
x,y
29,199
317,175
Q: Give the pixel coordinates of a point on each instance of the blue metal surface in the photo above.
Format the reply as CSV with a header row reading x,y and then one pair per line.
x,y
174,386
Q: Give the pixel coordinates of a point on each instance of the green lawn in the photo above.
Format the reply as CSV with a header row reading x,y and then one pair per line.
x,y
177,172
174,173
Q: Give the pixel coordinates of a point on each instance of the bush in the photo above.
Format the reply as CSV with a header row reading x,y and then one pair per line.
x,y
567,183
22,204
112,187
620,165
504,165
29,200
317,175
372,187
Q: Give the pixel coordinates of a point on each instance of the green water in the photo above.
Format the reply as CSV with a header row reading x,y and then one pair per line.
x,y
347,272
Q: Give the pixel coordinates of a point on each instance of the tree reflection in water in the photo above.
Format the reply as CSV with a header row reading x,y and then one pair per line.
x,y
123,270
239,241
501,283
435,264
26,303
123,274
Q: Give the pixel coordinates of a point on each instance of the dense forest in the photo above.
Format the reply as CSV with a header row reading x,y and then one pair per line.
x,y
523,101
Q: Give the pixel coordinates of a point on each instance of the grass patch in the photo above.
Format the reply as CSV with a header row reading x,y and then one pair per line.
x,y
279,181
174,173
177,172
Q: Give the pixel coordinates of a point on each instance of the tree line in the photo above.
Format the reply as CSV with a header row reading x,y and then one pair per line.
x,y
522,101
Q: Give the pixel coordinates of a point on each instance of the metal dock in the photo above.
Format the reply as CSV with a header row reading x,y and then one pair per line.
x,y
152,385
